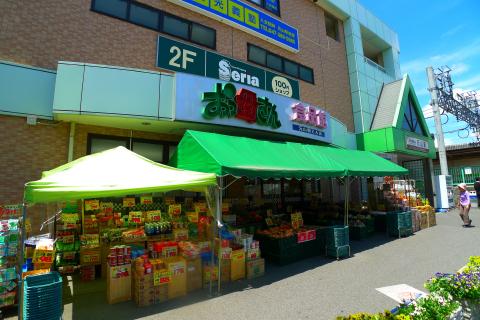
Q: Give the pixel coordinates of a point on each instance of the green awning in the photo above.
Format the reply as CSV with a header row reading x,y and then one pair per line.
x,y
245,157
112,173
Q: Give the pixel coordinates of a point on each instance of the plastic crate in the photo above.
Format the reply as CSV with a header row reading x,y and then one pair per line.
x,y
338,252
399,224
42,296
337,236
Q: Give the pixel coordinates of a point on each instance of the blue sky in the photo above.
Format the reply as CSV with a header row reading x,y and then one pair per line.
x,y
436,33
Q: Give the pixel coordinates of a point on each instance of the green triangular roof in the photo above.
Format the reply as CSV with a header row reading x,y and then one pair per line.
x,y
394,96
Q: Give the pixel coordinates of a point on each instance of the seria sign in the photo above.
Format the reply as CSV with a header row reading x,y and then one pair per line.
x,y
227,102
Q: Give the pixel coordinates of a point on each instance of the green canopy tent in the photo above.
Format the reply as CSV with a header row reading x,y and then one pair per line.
x,y
114,173
252,158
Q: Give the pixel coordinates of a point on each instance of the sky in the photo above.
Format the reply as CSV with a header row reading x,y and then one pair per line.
x,y
436,33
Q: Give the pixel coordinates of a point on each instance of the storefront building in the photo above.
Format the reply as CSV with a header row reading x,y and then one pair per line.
x,y
78,78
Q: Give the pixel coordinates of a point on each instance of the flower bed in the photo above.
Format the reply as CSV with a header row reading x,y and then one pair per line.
x,y
452,296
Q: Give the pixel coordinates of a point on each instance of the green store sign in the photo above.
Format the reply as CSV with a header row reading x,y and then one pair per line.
x,y
181,57
226,102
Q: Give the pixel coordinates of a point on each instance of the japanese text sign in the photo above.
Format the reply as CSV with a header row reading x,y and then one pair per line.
x,y
249,19
174,209
128,202
154,215
92,205
161,277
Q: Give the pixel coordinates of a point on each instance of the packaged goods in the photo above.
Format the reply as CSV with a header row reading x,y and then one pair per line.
x,y
225,270
180,234
252,254
90,256
210,272
189,249
87,273
255,268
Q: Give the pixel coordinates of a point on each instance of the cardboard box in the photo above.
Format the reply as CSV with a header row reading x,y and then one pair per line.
x,y
237,270
194,274
160,293
177,266
225,270
209,272
119,289
253,254
255,268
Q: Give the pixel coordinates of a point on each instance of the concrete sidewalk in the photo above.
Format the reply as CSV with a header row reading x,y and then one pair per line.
x,y
316,288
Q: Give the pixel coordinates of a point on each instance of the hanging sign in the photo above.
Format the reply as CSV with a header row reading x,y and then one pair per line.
x,y
225,207
70,218
146,199
169,200
175,209
154,216
89,240
92,205
200,207
249,19
107,207
135,216
128,202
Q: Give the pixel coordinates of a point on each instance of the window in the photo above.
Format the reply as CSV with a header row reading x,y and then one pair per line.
x,y
270,5
410,119
274,62
331,26
158,20
143,16
267,59
158,151
203,35
175,26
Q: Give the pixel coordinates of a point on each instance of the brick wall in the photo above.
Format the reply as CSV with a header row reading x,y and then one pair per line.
x,y
41,33
27,151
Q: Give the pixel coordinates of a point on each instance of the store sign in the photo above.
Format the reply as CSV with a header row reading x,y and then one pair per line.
x,y
206,100
305,236
43,256
92,205
416,144
161,277
309,119
227,102
180,57
247,18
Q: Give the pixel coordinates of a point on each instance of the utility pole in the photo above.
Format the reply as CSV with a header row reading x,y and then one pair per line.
x,y
442,154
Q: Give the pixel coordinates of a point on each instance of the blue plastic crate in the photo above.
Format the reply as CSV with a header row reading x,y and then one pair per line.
x,y
42,297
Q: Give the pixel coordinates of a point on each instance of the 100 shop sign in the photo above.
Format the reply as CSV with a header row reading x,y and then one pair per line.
x,y
227,102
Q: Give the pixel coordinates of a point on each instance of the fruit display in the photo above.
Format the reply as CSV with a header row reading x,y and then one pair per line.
x,y
284,231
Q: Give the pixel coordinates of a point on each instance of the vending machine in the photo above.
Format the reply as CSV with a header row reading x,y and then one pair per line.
x,y
444,191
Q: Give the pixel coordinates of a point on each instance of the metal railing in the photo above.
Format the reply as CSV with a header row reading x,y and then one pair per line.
x,y
465,174
374,64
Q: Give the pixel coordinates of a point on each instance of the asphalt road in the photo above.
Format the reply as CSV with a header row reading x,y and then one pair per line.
x,y
316,288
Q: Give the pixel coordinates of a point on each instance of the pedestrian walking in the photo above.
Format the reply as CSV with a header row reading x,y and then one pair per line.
x,y
476,186
464,204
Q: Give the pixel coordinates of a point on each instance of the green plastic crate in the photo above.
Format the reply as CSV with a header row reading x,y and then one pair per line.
x,y
337,236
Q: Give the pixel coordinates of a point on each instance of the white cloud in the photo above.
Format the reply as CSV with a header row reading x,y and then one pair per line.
x,y
452,31
460,68
419,65
471,83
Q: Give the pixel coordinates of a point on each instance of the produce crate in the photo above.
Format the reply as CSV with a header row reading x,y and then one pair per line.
x,y
42,297
399,224
337,236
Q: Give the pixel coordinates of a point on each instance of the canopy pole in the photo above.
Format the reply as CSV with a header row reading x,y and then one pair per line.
x,y
219,218
347,188
21,261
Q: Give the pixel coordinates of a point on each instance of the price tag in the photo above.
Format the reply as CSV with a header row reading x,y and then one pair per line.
x,y
154,216
90,240
69,255
92,205
43,256
311,235
128,202
146,199
192,216
177,268
301,237
238,255
91,258
68,218
161,276
107,207
174,209
135,216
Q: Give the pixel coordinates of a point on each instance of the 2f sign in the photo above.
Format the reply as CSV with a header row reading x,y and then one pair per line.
x,y
181,57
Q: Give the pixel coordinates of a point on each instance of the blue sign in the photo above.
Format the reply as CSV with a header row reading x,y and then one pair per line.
x,y
250,19
308,130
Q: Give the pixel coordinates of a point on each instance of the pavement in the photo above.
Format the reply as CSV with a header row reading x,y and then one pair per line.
x,y
315,288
